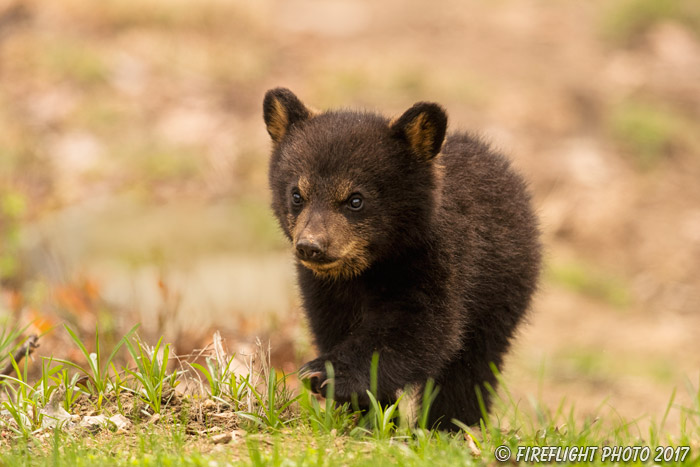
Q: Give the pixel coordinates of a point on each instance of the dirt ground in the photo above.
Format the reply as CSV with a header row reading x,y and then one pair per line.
x,y
132,134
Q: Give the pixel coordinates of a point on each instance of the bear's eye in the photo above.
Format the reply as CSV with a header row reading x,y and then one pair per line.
x,y
296,198
355,202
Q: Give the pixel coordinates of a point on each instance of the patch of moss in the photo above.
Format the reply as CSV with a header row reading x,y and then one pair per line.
x,y
648,131
73,60
590,281
625,22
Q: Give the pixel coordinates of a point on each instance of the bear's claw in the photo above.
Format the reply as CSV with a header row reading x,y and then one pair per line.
x,y
307,373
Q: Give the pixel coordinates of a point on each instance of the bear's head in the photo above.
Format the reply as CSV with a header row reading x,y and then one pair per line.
x,y
351,189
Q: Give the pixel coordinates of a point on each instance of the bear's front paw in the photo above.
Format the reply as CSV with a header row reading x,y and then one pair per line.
x,y
315,372
345,382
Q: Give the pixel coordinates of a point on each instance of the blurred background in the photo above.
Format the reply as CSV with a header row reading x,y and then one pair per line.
x,y
133,162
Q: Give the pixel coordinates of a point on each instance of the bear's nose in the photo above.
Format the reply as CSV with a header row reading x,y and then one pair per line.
x,y
309,250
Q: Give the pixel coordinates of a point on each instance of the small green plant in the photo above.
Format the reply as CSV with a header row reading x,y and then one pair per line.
x,y
216,376
429,394
225,385
382,417
20,413
329,416
99,378
379,421
119,384
272,403
25,401
48,381
70,384
151,372
19,405
237,390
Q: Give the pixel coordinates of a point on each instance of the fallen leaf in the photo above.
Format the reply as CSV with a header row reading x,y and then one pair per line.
x,y
122,423
223,438
94,423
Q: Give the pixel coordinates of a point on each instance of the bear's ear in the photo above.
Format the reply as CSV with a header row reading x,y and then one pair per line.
x,y
423,126
282,109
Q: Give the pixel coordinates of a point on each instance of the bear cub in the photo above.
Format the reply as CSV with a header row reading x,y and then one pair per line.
x,y
422,249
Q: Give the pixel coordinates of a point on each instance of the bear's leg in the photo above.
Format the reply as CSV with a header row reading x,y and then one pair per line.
x,y
457,397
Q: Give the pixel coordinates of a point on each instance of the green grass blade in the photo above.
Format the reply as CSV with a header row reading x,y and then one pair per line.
x,y
205,372
84,350
374,373
119,345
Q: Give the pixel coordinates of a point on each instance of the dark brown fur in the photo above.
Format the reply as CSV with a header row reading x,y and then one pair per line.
x,y
434,270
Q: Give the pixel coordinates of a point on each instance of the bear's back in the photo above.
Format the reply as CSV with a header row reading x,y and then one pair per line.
x,y
489,229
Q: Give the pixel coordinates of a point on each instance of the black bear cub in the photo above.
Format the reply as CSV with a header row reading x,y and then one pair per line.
x,y
427,253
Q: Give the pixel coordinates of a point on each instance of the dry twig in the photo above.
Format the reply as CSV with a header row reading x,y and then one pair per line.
x,y
31,344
